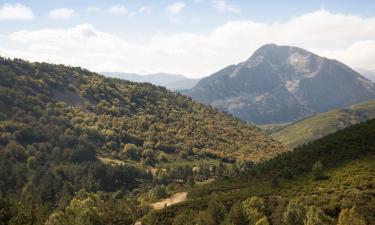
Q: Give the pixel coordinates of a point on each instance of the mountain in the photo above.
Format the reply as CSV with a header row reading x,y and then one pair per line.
x,y
73,139
170,81
329,181
280,84
369,74
322,124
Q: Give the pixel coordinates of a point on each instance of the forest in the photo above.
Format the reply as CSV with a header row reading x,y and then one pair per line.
x,y
72,138
328,181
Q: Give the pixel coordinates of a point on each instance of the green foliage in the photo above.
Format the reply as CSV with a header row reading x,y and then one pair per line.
x,y
295,213
186,218
216,211
131,151
317,171
316,216
237,215
58,123
349,162
322,124
254,208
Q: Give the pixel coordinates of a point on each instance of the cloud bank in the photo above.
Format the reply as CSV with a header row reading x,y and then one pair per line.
x,y
348,38
15,12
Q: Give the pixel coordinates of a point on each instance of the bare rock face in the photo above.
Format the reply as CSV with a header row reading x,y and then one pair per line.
x,y
282,84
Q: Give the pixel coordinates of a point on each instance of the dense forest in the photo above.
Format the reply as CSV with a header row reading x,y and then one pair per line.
x,y
328,181
79,148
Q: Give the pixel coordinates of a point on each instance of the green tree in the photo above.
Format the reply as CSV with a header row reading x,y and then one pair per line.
x,y
185,218
79,212
220,170
295,213
316,216
254,208
190,181
236,215
216,210
131,151
317,171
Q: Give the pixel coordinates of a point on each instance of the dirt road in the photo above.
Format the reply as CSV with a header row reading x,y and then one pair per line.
x,y
174,199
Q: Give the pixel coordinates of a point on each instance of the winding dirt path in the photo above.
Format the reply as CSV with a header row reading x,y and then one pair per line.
x,y
174,199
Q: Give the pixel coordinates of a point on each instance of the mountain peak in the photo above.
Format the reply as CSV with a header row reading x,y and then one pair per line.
x,y
282,84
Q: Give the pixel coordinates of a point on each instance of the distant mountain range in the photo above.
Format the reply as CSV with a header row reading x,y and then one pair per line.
x,y
282,84
322,124
170,81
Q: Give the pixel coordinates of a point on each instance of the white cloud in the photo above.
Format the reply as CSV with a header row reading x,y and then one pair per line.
x,y
175,8
15,12
222,6
114,9
62,13
348,38
118,9
147,9
93,9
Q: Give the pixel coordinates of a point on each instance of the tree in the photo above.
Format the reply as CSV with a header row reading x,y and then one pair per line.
x,y
186,218
295,213
79,212
236,215
275,182
220,170
190,181
216,211
131,151
351,217
254,208
317,171
316,216
204,218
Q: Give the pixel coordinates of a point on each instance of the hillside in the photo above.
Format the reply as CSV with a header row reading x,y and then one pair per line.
x,y
329,181
170,81
67,132
322,124
279,84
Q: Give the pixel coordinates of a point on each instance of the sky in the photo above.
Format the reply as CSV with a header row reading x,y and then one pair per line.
x,y
191,37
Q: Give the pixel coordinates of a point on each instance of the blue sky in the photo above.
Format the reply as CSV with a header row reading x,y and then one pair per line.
x,y
193,37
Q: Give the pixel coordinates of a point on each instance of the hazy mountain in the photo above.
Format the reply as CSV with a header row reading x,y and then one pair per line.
x,y
322,124
170,81
282,84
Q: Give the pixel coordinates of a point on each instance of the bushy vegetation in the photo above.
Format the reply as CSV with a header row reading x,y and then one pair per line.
x,y
321,124
64,130
329,181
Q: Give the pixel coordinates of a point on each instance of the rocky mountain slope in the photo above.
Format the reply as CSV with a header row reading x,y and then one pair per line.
x,y
282,84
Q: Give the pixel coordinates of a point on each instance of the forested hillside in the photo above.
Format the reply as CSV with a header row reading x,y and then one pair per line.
x,y
321,124
329,181
66,132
